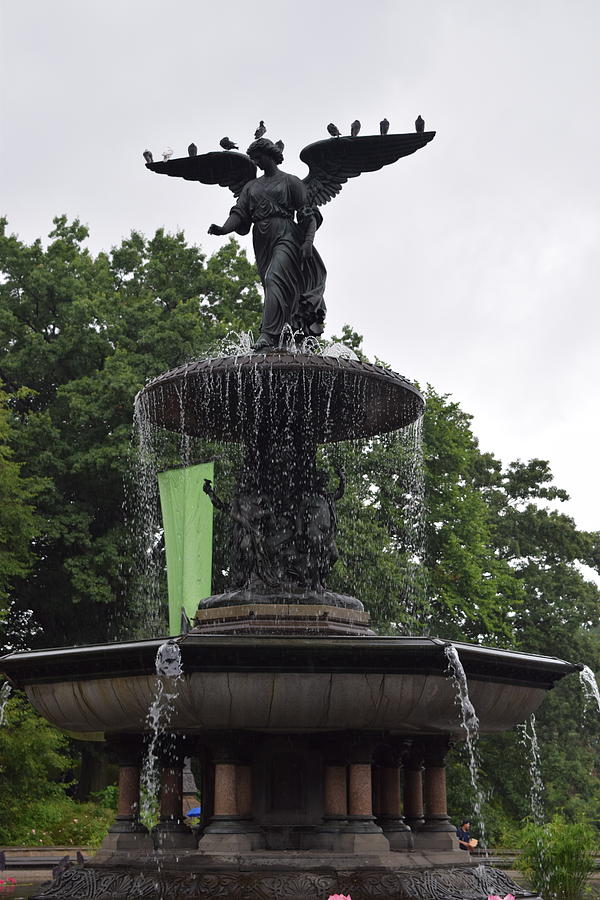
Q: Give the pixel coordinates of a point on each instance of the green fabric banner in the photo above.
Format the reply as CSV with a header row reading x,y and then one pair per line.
x,y
188,524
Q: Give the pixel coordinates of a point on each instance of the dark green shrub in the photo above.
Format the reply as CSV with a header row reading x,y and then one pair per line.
x,y
558,858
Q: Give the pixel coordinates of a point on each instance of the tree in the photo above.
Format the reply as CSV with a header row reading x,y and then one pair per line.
x,y
79,336
18,522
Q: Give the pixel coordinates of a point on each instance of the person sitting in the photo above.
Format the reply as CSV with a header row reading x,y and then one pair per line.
x,y
463,833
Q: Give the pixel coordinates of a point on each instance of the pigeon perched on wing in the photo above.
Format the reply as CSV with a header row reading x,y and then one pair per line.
x,y
167,153
354,128
419,125
192,150
280,144
148,156
260,130
333,130
384,126
226,144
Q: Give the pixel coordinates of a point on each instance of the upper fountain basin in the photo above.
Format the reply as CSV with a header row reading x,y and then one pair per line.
x,y
284,684
229,398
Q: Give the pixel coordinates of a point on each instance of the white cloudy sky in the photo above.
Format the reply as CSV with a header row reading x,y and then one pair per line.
x,y
472,265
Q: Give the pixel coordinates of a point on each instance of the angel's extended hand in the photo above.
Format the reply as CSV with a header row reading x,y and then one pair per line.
x,y
216,229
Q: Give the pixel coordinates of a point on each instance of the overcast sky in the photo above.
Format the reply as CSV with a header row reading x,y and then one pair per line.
x,y
472,265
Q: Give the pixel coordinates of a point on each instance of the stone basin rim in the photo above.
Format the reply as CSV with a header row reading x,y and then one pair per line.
x,y
388,400
291,653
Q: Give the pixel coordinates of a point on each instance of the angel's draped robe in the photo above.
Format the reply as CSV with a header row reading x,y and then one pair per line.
x,y
293,290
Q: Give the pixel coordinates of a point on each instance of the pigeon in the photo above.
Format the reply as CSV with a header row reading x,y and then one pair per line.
x,y
260,130
148,156
192,150
333,130
280,144
384,126
354,128
167,153
226,144
419,125
80,858
61,867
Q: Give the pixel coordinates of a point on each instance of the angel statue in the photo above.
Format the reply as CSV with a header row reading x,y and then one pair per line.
x,y
283,211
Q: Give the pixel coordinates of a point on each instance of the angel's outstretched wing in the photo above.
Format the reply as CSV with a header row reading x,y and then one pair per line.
x,y
332,162
229,169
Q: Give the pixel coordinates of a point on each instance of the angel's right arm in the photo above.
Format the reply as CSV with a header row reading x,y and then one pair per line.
x,y
233,223
239,219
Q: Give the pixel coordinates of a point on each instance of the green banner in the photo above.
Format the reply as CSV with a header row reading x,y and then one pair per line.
x,y
188,524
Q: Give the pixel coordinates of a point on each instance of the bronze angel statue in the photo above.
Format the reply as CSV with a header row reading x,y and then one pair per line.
x,y
283,211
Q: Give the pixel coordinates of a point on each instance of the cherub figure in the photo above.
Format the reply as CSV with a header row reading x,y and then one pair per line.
x,y
250,513
316,526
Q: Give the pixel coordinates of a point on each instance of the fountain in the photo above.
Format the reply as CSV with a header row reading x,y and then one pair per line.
x,y
321,744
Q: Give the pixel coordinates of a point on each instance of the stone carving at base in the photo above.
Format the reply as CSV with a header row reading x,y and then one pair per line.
x,y
442,883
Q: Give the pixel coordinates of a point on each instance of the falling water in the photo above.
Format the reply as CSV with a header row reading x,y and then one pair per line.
x,y
413,483
590,686
5,692
529,739
147,526
169,673
470,724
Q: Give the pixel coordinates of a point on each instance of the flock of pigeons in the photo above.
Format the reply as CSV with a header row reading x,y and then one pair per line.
x,y
334,131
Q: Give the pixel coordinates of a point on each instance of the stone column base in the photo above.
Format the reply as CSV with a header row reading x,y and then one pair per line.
x,y
175,840
231,834
231,843
360,843
127,840
400,840
436,840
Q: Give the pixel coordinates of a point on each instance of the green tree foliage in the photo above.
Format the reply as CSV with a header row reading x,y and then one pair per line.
x,y
558,858
79,336
18,523
35,763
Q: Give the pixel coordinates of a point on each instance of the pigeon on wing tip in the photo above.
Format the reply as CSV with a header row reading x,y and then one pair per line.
x,y
419,125
226,144
192,150
384,126
167,153
354,128
148,156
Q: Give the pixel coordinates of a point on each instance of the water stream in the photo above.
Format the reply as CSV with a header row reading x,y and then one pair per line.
x,y
5,692
470,725
412,473
590,687
529,740
169,673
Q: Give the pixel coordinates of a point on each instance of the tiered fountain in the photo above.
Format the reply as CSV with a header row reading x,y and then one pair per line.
x,y
321,745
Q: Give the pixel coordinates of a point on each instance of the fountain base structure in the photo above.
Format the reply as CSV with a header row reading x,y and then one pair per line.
x,y
322,762
321,746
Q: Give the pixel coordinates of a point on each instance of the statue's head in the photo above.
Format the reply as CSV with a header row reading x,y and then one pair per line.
x,y
264,147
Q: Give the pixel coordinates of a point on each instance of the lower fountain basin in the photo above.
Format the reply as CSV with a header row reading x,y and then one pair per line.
x,y
284,684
